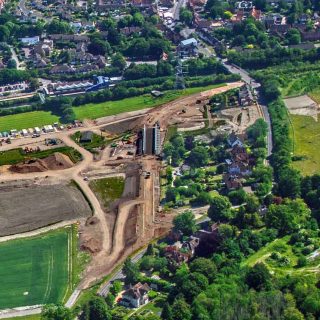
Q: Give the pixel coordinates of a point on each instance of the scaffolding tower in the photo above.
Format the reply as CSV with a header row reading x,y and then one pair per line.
x,y
181,71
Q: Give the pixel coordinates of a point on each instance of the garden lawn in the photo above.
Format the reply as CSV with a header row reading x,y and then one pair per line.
x,y
108,189
27,120
306,144
98,110
35,270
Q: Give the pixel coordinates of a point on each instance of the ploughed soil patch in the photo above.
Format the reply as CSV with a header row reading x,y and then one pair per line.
x,y
56,161
27,206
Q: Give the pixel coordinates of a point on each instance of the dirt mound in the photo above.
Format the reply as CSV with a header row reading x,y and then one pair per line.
x,y
56,161
91,245
92,221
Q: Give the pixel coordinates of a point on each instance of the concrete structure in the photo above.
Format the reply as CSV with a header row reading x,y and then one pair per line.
x,y
150,140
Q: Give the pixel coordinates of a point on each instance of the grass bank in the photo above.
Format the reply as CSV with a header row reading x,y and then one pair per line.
x,y
96,110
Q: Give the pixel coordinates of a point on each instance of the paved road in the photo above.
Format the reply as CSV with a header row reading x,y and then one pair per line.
x,y
176,9
104,290
257,87
15,58
20,312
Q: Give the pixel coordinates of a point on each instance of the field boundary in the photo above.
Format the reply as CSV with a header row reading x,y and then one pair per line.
x,y
34,233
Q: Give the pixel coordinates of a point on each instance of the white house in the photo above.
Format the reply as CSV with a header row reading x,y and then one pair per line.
x,y
233,141
136,296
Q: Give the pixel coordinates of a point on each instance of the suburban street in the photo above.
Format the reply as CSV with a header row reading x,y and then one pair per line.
x,y
176,9
256,87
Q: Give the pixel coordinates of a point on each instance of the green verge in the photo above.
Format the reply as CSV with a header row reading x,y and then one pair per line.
x,y
96,110
306,144
15,156
31,317
37,269
108,189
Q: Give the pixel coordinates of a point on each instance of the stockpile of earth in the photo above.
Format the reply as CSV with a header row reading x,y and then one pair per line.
x,y
56,161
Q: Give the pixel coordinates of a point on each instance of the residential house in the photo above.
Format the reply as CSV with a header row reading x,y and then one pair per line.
x,y
245,96
181,252
136,296
101,62
62,69
190,245
128,31
256,14
188,47
234,140
80,58
104,5
232,181
142,4
239,153
87,68
244,6
70,38
239,168
43,48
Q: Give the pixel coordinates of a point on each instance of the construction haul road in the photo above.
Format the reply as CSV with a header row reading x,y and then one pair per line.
x,y
115,251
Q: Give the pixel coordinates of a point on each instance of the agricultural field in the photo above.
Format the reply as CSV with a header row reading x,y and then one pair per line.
x,y
36,270
26,120
15,156
306,132
108,189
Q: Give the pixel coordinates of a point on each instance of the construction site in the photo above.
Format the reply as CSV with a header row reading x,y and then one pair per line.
x,y
64,191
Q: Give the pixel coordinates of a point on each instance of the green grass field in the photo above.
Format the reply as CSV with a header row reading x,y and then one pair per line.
x,y
27,120
108,189
306,144
36,270
95,110
98,110
14,156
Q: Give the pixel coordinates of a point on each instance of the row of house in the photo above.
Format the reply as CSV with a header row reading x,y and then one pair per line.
x,y
39,52
239,166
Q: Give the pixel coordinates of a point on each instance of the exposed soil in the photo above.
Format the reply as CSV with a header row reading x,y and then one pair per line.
x,y
37,205
56,161
120,127
183,110
303,105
